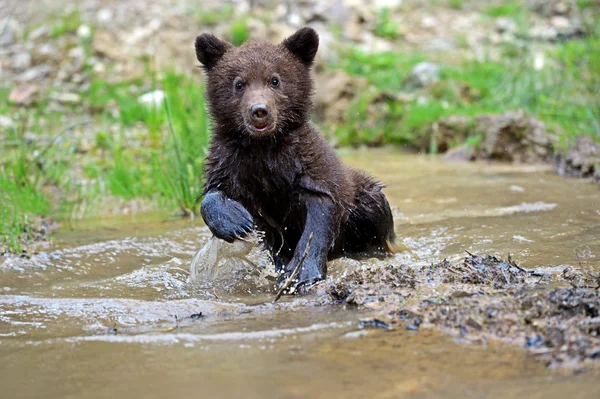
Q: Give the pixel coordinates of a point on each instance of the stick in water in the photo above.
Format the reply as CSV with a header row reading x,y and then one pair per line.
x,y
288,282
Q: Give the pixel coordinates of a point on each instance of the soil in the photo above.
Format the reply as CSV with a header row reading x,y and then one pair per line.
x,y
482,298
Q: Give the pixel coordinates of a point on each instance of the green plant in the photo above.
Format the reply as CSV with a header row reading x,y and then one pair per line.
x,y
456,4
67,23
239,31
385,27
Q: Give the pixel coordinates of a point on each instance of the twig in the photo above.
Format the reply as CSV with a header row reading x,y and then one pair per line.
x,y
290,279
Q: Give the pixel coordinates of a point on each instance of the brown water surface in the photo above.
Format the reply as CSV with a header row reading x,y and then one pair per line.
x,y
59,310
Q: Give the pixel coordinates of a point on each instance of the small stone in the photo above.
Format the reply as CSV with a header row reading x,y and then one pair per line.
x,y
6,122
506,25
10,31
44,53
561,23
99,68
104,15
21,61
423,74
66,98
154,98
23,94
38,32
294,20
77,52
35,73
84,32
391,4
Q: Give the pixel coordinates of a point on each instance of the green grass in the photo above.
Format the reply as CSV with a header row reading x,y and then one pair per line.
x,y
384,26
563,93
161,164
67,23
214,17
505,9
240,32
456,4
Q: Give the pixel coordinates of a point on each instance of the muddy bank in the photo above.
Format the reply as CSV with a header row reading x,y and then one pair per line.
x,y
513,137
35,236
556,316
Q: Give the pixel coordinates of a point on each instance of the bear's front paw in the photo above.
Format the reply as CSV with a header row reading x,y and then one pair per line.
x,y
302,279
227,219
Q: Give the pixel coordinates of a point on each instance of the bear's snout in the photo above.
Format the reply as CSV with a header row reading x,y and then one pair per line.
x,y
259,112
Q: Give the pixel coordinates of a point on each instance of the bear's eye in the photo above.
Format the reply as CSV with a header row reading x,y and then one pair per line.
x,y
238,84
275,81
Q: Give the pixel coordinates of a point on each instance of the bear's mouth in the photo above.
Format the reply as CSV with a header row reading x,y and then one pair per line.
x,y
261,127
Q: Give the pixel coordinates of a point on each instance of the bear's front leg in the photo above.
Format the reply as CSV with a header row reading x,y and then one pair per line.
x,y
227,219
320,224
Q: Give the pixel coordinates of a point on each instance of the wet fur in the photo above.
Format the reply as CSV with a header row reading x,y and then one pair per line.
x,y
290,182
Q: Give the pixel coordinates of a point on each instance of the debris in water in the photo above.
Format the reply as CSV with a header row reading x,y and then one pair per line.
x,y
374,323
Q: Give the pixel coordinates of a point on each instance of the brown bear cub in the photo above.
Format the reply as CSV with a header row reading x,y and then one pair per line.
x,y
269,168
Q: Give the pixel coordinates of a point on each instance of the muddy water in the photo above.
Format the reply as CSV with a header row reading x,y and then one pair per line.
x,y
106,311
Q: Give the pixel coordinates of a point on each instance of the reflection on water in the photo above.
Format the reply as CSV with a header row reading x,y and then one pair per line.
x,y
109,311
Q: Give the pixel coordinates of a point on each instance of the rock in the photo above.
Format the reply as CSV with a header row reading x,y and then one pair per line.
x,y
422,75
464,153
44,53
66,98
37,33
543,32
36,73
107,44
105,15
257,29
335,89
446,131
581,159
506,25
84,32
294,20
514,137
548,8
141,33
21,61
510,137
374,44
391,4
154,98
23,94
10,31
278,32
6,122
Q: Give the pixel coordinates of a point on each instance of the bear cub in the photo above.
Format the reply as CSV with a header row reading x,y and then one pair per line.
x,y
268,168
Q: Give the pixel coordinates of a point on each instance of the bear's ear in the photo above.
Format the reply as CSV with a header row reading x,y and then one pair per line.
x,y
303,44
210,49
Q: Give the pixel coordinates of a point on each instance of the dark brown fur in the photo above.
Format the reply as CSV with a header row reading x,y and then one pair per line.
x,y
287,177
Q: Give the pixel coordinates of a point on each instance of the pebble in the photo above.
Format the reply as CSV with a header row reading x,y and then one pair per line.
x,y
21,61
66,98
6,122
23,94
35,73
84,32
154,98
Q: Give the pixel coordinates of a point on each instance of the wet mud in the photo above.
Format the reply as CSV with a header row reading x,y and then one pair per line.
x,y
481,298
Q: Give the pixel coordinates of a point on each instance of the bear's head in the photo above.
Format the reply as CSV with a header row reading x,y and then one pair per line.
x,y
259,89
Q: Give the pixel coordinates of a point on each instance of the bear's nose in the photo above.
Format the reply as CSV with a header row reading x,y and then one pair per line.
x,y
259,111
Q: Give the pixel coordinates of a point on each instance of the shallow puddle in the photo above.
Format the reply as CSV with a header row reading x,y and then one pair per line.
x,y
107,311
